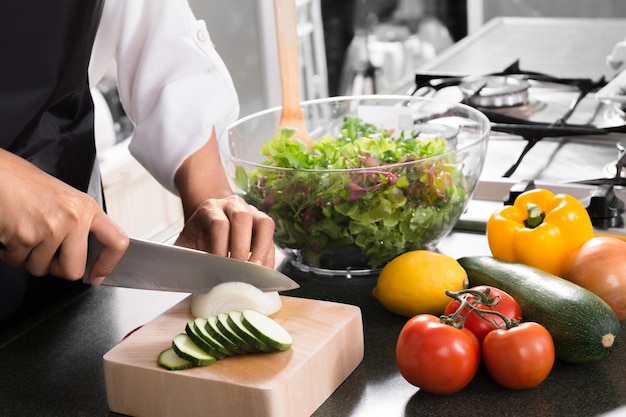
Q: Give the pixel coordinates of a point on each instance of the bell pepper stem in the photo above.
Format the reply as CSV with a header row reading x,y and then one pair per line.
x,y
535,216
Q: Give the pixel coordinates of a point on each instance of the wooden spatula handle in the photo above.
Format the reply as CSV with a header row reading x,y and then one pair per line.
x,y
285,14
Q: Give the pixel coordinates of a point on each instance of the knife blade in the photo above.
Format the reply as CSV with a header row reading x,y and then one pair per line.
x,y
156,266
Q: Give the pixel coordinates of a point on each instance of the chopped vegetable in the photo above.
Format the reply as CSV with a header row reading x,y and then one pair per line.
x,y
200,324
266,330
207,344
186,349
364,191
226,328
227,334
169,360
540,229
236,324
225,339
235,295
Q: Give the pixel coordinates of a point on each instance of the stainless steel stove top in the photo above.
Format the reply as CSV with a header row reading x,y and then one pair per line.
x,y
571,49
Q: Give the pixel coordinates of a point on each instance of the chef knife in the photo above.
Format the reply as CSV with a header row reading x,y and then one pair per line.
x,y
155,266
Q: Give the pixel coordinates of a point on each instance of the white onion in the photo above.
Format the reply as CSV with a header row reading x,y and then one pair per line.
x,y
229,296
273,302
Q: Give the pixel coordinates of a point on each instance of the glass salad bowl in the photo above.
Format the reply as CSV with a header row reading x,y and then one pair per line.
x,y
385,175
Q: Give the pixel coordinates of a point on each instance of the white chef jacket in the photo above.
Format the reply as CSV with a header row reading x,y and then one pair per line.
x,y
173,85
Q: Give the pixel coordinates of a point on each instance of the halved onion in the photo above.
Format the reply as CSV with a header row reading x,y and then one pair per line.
x,y
235,295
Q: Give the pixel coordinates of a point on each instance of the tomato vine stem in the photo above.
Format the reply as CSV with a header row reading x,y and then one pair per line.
x,y
457,319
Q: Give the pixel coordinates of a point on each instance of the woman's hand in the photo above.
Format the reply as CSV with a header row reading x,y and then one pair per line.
x,y
217,221
230,227
44,224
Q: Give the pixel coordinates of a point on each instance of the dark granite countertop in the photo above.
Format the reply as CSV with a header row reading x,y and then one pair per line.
x,y
52,363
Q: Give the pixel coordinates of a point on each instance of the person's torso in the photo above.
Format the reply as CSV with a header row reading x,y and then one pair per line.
x,y
46,111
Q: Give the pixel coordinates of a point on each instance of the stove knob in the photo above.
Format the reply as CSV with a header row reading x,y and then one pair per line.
x,y
516,190
616,59
604,208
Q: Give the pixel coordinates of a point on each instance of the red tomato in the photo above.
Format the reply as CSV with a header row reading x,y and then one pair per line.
x,y
481,326
436,357
521,357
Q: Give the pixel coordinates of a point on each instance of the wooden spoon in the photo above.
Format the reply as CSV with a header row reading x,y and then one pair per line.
x,y
285,15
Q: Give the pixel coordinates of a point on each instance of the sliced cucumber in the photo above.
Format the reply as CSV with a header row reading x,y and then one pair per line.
x,y
186,349
203,343
266,329
227,334
200,325
234,320
213,330
224,326
169,360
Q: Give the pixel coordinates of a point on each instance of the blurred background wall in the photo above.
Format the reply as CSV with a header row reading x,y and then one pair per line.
x,y
481,11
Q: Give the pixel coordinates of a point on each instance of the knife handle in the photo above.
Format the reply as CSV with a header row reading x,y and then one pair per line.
x,y
94,247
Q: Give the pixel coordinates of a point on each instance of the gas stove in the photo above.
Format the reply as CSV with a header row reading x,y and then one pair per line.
x,y
515,95
557,122
536,106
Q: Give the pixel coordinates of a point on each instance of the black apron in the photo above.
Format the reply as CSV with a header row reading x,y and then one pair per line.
x,y
46,110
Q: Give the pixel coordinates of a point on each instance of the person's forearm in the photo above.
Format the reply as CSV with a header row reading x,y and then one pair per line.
x,y
216,220
201,176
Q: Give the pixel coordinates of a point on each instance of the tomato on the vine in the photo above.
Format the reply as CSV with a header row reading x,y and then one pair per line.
x,y
520,357
437,357
480,326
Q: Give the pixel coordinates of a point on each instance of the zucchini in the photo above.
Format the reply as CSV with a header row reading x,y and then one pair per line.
x,y
234,319
266,329
245,332
228,331
584,328
225,339
203,343
169,360
186,349
200,325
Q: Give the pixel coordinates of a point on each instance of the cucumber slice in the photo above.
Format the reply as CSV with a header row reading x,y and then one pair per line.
x,y
266,329
224,326
203,343
234,320
213,330
185,348
200,325
225,334
169,360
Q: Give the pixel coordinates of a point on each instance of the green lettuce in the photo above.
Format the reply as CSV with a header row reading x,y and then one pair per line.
x,y
363,190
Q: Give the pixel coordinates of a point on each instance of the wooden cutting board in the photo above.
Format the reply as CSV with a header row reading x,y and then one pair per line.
x,y
328,346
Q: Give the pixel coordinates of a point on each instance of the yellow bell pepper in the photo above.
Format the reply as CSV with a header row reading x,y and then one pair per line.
x,y
540,229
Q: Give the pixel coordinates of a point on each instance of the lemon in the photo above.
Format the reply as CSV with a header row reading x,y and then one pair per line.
x,y
415,283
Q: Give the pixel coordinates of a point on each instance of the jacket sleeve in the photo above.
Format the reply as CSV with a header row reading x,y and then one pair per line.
x,y
172,83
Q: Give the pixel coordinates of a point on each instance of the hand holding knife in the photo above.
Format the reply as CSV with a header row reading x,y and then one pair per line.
x,y
156,266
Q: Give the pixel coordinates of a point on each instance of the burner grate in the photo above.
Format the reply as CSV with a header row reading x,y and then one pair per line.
x,y
524,103
511,86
